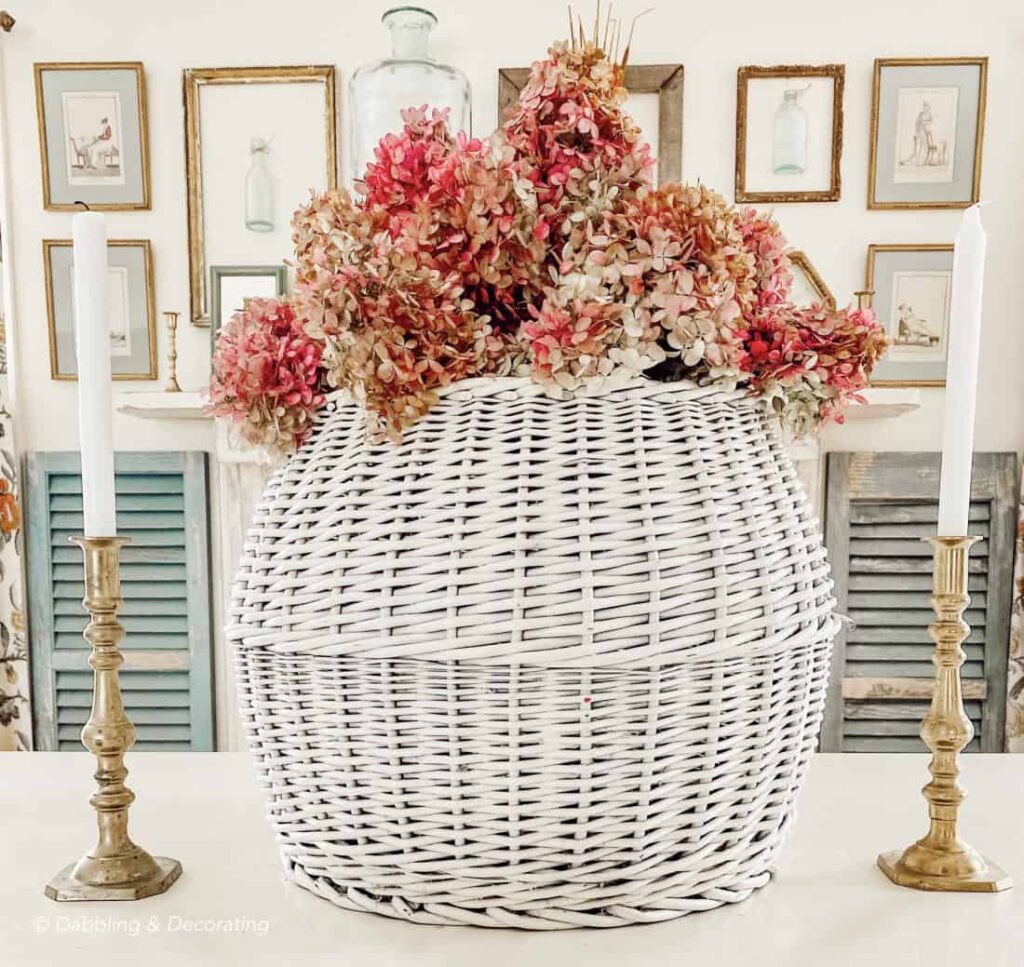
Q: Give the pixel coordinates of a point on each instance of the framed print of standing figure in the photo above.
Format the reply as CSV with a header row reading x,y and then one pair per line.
x,y
927,127
93,136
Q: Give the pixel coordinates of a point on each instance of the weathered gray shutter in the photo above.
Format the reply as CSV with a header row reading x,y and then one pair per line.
x,y
166,676
880,506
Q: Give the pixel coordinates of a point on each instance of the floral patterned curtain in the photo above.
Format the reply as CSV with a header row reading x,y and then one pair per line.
x,y
1015,709
15,720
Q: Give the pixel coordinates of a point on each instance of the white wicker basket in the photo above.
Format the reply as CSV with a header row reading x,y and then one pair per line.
x,y
545,664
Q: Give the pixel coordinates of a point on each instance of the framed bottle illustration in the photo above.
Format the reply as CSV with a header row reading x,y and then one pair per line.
x,y
789,133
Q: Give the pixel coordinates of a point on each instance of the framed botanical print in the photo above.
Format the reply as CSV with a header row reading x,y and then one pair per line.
x,y
912,287
130,305
808,286
257,139
927,128
789,133
655,102
93,135
231,286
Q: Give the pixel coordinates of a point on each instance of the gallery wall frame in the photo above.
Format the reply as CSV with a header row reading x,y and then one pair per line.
x,y
923,259
665,80
135,257
816,283
268,280
194,82
835,77
79,167
960,170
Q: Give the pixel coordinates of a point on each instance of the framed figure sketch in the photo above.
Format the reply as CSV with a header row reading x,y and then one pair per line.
x,y
130,306
927,128
912,287
789,133
93,135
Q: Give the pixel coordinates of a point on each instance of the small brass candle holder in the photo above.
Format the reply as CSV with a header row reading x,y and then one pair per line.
x,y
115,869
172,353
940,860
865,297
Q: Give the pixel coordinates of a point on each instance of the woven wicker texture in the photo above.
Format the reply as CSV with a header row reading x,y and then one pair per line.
x,y
545,664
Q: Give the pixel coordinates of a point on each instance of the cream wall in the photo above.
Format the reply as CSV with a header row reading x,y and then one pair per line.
x,y
712,40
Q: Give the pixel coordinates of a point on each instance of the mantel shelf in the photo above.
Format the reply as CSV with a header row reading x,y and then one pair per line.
x,y
162,405
883,402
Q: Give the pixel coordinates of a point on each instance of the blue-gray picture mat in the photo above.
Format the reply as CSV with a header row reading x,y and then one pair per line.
x,y
127,82
967,78
137,365
886,263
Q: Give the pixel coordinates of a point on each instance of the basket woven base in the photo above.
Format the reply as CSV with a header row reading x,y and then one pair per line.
x,y
553,918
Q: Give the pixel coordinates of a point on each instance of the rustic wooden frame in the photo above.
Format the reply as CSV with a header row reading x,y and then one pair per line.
x,y
804,264
876,91
881,477
665,80
51,310
193,81
746,74
869,285
44,154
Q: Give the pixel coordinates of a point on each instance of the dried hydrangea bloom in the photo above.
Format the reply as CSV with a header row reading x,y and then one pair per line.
x,y
267,376
764,240
809,362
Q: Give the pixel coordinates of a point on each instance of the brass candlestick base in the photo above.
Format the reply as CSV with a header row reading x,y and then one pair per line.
x,y
940,860
116,869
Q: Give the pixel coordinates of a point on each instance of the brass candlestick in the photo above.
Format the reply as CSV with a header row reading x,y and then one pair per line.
x,y
940,860
116,869
172,353
864,298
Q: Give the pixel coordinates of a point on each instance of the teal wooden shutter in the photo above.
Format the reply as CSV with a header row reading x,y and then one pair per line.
x,y
165,581
880,507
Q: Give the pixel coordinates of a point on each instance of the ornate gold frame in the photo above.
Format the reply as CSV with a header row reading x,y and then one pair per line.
x,y
193,81
802,262
745,74
869,284
982,64
665,80
140,82
51,316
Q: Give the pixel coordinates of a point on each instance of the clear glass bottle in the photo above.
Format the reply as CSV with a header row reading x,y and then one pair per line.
x,y
259,188
410,77
789,138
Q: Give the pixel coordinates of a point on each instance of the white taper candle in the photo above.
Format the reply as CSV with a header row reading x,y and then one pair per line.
x,y
962,375
92,350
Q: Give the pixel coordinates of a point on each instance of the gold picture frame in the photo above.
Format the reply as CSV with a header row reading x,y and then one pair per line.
x,y
874,203
837,73
817,283
874,250
48,164
665,80
193,82
50,245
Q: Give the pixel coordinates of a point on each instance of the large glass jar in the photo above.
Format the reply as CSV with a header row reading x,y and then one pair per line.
x,y
410,77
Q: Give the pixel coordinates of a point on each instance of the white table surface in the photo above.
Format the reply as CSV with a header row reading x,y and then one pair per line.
x,y
828,906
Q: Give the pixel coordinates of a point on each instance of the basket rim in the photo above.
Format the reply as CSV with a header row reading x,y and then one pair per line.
x,y
593,387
